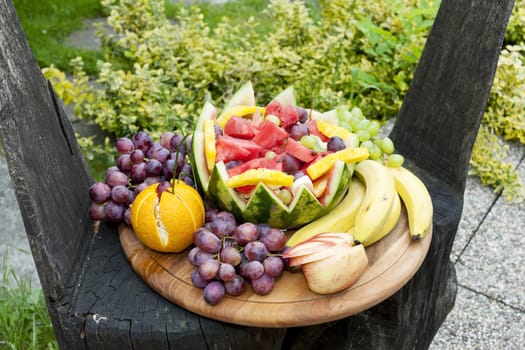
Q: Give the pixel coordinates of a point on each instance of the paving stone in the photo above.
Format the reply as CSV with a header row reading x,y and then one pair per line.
x,y
478,322
15,252
493,261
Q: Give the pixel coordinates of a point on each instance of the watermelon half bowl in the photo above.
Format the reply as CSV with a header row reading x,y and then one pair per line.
x,y
242,159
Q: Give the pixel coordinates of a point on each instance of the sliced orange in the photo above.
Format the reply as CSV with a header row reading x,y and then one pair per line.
x,y
347,155
167,224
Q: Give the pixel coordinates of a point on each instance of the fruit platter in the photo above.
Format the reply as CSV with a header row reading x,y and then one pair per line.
x,y
268,215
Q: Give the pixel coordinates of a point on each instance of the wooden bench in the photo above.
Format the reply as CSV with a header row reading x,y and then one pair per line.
x,y
95,299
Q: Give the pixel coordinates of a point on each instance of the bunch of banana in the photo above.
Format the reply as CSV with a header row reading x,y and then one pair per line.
x,y
380,208
372,206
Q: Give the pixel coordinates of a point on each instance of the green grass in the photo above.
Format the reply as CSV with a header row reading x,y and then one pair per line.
x,y
47,23
24,321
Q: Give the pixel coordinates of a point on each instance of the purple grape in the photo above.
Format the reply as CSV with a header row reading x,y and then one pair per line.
x,y
116,178
214,292
231,256
138,173
221,228
226,272
152,180
263,285
208,242
114,212
274,239
192,255
208,269
167,169
273,266
162,155
165,139
142,141
124,162
253,269
211,214
263,228
127,216
99,192
303,114
297,131
255,251
111,169
202,256
245,233
137,156
236,286
335,143
120,194
186,169
154,148
188,180
175,142
124,145
131,196
163,186
297,175
153,167
139,187
218,131
197,280
188,141
97,211
291,165
232,164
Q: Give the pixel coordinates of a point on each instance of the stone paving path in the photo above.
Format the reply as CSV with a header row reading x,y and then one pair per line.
x,y
488,252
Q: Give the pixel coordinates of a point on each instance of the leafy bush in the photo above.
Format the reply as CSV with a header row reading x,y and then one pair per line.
x,y
157,72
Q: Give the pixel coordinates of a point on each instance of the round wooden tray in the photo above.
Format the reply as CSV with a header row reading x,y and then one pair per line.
x,y
392,262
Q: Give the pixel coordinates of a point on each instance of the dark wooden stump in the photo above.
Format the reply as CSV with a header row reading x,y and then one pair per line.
x,y
95,299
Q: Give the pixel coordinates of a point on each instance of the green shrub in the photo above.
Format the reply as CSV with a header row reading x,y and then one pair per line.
x,y
157,72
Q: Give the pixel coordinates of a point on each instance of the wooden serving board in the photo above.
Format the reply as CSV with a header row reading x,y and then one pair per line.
x,y
392,262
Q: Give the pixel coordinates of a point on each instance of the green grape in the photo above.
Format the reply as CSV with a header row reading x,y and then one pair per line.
x,y
270,155
375,152
387,145
377,141
363,135
363,125
354,122
368,144
285,195
395,160
356,112
373,128
273,118
308,141
346,125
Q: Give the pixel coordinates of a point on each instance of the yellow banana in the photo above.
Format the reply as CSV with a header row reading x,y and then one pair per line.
x,y
339,219
390,222
377,203
417,200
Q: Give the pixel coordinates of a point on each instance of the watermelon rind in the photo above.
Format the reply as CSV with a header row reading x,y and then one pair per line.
x,y
199,165
286,97
244,96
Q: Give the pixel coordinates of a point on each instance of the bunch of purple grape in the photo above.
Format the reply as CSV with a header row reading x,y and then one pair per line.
x,y
227,256
141,162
